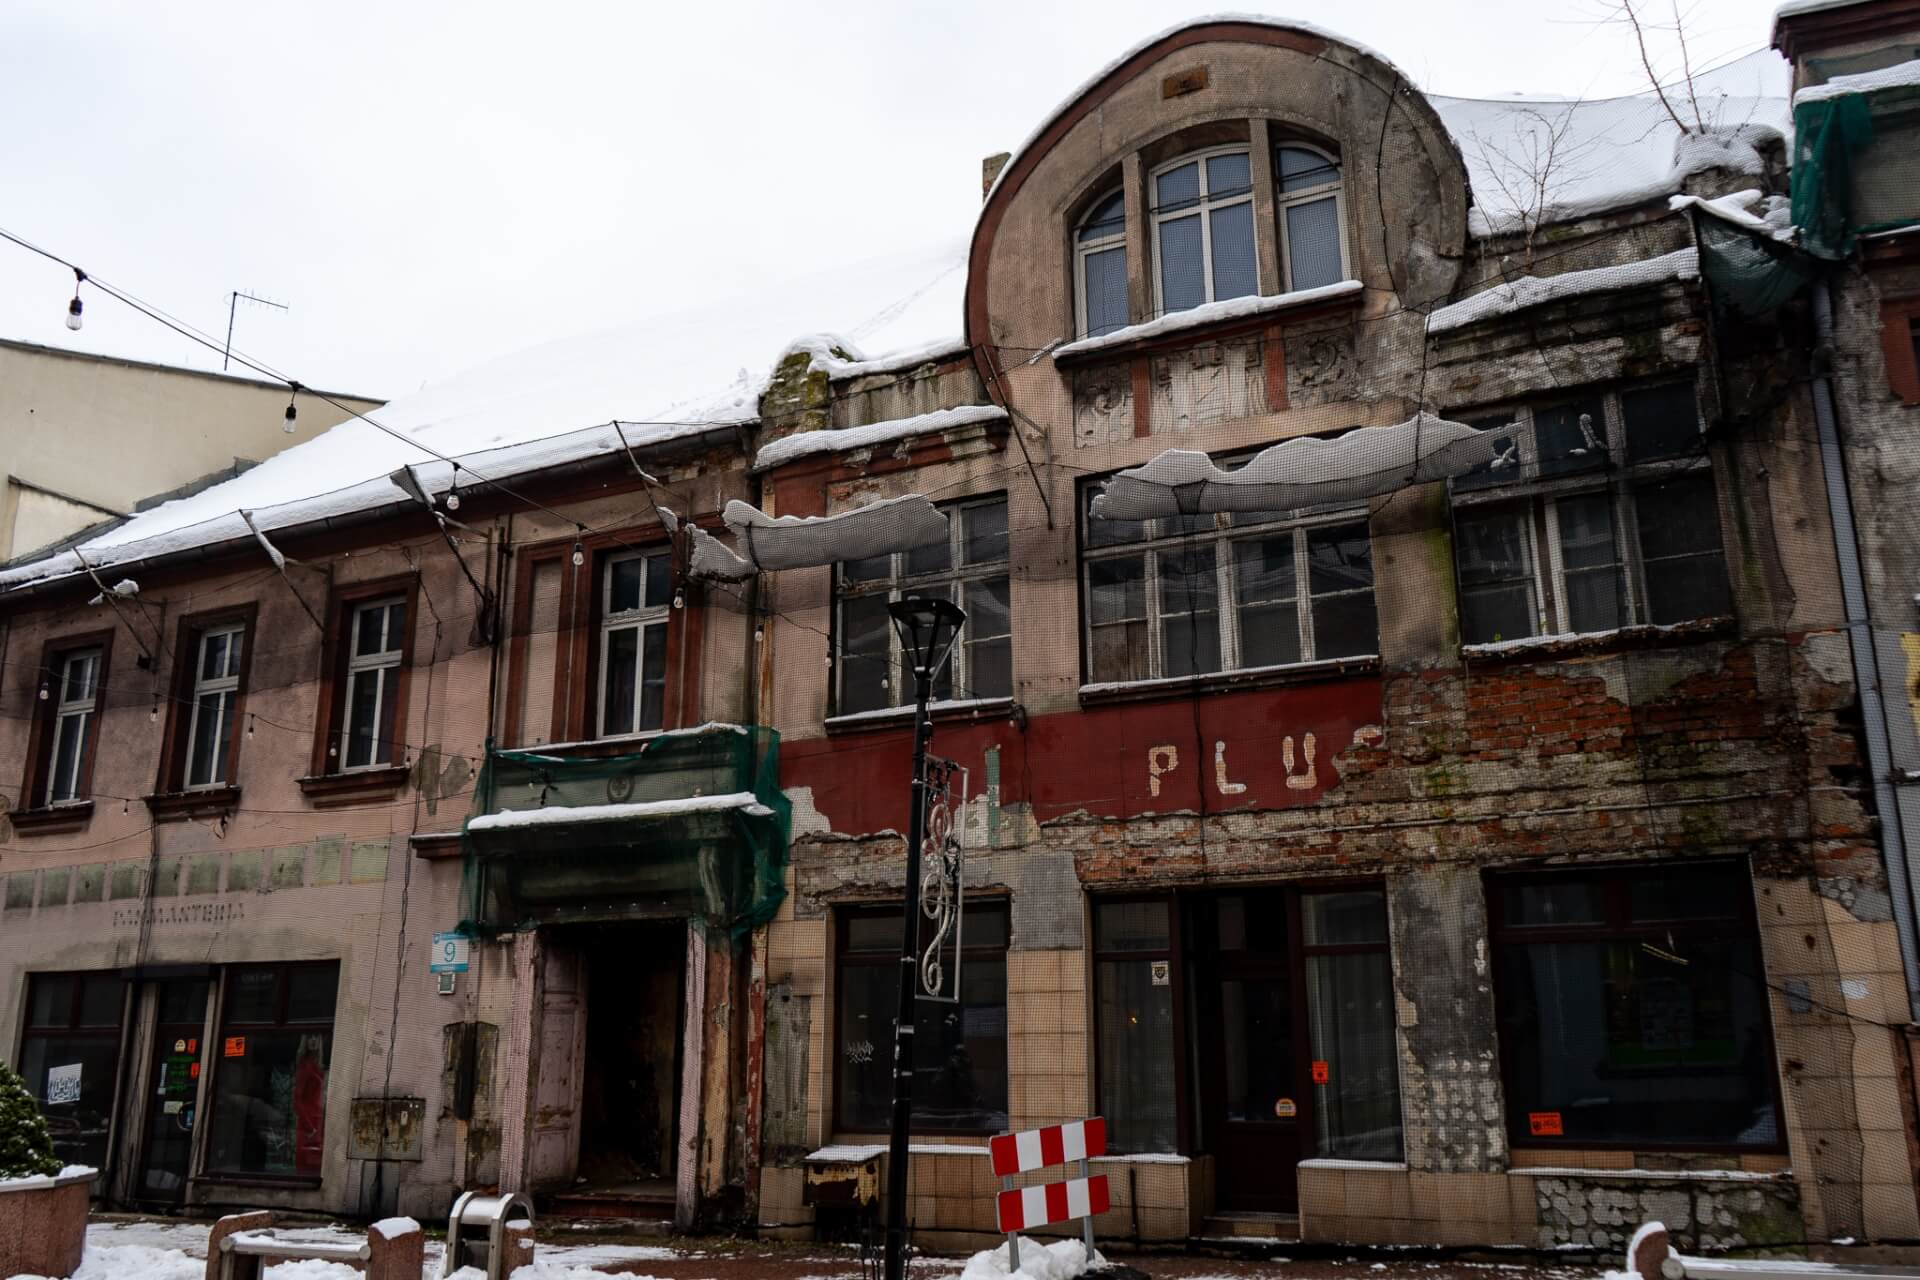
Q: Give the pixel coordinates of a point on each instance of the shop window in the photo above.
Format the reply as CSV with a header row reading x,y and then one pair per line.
x,y
270,1070
1135,1018
69,1054
1100,267
636,599
1599,513
1311,210
1632,1009
970,569
960,1050
1203,229
1350,1014
1295,589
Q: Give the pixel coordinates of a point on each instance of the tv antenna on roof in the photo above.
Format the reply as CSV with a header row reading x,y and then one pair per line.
x,y
233,303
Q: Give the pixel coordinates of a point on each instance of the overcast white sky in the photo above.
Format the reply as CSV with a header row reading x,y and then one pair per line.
x,y
430,184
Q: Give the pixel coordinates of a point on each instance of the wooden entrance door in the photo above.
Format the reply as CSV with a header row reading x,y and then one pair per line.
x,y
1254,1104
560,1037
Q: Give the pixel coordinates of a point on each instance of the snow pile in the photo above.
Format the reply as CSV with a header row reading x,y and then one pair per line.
x,y
562,814
806,444
48,1179
1061,1261
900,361
394,1228
805,542
671,375
1736,150
144,1262
1774,219
1302,472
1210,313
1904,75
1533,291
540,1271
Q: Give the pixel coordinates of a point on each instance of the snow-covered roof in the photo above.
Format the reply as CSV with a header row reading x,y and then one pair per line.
x,y
1612,153
1902,75
806,444
677,373
1534,291
684,371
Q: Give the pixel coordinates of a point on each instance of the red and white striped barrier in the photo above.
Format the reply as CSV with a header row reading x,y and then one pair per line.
x,y
1056,1144
1025,1208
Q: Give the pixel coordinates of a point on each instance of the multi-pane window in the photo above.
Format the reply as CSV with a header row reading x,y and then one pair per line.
x,y
960,1050
216,690
1100,266
1633,1008
376,639
635,604
1600,512
1203,229
1189,595
69,1058
270,1078
1312,230
1350,1015
1136,1024
75,690
970,569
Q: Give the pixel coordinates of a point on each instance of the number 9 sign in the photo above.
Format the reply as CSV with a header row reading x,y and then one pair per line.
x,y
449,953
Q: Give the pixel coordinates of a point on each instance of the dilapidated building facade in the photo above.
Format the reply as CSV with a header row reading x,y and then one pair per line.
x,y
1411,760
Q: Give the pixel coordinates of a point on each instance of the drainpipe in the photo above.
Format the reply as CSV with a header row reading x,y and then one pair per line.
x,y
1866,659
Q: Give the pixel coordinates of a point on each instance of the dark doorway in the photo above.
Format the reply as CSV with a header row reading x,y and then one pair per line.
x,y
172,1089
630,1082
1253,1101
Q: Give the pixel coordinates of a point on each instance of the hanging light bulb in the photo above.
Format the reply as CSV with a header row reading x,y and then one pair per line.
x,y
293,389
679,599
153,712
453,490
74,307
249,726
579,554
43,691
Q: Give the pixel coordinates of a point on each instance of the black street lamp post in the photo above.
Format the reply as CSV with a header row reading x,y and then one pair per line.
x,y
927,629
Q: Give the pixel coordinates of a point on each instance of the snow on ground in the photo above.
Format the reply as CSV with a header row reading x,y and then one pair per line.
x,y
146,1250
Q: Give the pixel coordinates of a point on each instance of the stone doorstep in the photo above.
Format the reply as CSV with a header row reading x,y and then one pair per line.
x,y
1248,1224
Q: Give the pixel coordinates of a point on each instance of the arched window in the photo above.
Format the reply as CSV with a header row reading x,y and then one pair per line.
x,y
1100,266
1203,229
1313,236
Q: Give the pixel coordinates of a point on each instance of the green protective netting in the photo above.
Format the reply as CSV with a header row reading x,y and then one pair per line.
x,y
1828,133
692,824
1752,274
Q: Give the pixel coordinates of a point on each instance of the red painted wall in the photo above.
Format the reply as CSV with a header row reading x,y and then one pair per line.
x,y
1107,760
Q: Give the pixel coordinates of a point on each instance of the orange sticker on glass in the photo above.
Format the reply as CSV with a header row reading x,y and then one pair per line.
x,y
1544,1124
193,1071
236,1047
193,1046
1320,1073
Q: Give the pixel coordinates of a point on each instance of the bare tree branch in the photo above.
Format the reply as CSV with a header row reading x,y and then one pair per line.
x,y
1632,19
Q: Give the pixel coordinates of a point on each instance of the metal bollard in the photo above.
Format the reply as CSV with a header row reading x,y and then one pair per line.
x,y
493,1233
